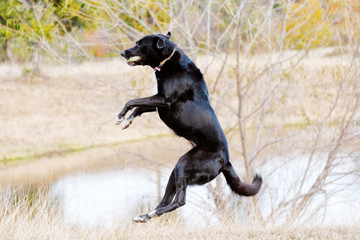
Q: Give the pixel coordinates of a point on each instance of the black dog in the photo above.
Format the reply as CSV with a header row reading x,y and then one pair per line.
x,y
183,105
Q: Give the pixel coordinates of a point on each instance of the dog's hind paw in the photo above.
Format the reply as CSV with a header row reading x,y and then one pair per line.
x,y
119,120
141,219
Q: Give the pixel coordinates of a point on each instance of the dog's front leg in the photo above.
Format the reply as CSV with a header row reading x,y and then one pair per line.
x,y
153,101
136,113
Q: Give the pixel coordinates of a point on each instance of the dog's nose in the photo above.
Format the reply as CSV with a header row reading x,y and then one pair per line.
x,y
123,53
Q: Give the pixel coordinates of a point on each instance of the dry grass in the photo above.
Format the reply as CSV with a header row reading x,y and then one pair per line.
x,y
34,216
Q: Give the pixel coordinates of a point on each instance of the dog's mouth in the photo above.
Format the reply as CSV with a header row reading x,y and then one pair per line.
x,y
133,60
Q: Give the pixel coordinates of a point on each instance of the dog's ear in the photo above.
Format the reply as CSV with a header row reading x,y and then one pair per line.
x,y
168,35
160,43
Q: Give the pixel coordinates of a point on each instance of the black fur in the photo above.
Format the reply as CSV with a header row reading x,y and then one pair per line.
x,y
183,105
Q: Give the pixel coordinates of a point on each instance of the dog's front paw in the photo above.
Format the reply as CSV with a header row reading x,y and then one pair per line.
x,y
119,120
127,123
141,219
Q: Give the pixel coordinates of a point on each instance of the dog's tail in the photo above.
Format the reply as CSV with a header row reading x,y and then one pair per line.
x,y
239,187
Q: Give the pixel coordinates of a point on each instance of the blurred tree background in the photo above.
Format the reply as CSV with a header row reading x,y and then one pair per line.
x,y
100,28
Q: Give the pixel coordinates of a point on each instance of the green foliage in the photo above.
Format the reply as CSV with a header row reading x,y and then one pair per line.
x,y
74,14
307,26
147,15
206,25
28,22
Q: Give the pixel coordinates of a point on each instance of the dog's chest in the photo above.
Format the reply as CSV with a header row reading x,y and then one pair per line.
x,y
155,88
176,90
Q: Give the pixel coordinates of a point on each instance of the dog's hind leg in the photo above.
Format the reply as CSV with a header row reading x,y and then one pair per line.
x,y
198,166
166,200
169,192
175,187
179,201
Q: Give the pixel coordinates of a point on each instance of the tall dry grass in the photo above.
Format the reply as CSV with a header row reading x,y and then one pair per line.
x,y
33,215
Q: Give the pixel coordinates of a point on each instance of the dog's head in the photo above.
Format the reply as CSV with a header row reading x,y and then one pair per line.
x,y
149,50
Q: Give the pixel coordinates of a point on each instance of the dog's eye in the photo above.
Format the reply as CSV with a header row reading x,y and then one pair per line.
x,y
138,44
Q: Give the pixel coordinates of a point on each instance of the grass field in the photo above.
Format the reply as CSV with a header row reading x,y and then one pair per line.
x,y
62,122
39,218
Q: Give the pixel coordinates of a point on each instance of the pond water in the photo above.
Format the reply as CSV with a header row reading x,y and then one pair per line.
x,y
111,197
114,196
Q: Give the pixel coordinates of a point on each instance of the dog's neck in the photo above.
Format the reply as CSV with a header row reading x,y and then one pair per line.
x,y
158,68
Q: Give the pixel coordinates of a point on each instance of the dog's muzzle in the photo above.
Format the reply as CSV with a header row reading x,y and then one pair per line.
x,y
130,60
